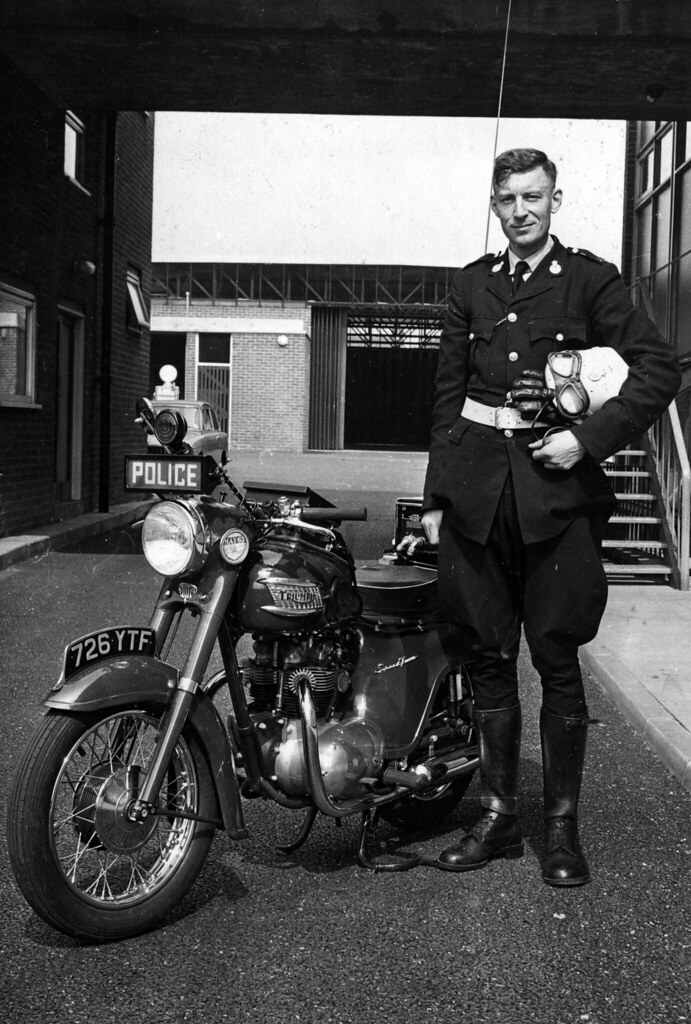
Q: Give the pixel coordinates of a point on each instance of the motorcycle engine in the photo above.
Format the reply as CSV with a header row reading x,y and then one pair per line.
x,y
272,675
349,748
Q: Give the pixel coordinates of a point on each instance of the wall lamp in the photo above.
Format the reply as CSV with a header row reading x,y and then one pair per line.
x,y
85,267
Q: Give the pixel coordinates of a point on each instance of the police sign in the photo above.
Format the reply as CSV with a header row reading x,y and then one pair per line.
x,y
179,473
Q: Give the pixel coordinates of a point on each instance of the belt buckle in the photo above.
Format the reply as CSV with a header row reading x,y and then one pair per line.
x,y
504,418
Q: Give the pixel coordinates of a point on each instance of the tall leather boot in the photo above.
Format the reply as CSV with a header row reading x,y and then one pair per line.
x,y
563,753
497,833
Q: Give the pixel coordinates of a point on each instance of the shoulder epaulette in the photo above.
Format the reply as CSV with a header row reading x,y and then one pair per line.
x,y
489,256
588,255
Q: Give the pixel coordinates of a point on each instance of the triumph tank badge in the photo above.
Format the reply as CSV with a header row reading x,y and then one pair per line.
x,y
555,268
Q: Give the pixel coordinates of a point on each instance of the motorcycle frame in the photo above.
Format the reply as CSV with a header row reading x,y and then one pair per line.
x,y
184,698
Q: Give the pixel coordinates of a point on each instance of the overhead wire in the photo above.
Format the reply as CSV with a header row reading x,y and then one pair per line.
x,y
499,106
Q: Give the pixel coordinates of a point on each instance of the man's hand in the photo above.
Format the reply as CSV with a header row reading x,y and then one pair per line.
x,y
528,393
431,524
561,450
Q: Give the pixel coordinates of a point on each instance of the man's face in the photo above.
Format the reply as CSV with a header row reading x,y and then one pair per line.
x,y
524,203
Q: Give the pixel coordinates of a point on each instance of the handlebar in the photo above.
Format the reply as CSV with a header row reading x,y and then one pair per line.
x,y
334,515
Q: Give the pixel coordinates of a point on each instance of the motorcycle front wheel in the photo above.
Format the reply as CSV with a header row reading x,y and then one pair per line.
x,y
83,865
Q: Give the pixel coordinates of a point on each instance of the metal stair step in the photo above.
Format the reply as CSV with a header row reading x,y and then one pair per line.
x,y
626,453
630,473
617,573
653,545
643,520
643,496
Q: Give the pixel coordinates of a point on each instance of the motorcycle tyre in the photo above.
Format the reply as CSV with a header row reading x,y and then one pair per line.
x,y
426,813
31,855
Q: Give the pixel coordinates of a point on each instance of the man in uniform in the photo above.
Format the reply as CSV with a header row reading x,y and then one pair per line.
x,y
518,513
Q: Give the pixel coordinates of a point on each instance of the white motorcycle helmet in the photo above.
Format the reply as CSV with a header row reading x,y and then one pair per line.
x,y
581,381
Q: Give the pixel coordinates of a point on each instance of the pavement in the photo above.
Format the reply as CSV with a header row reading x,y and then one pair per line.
x,y
640,658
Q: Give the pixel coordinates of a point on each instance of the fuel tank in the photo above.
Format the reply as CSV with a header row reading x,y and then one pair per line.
x,y
290,584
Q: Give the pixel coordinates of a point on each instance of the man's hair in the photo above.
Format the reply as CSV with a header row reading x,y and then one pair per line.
x,y
518,161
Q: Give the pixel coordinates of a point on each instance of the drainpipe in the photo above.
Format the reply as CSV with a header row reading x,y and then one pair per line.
x,y
108,226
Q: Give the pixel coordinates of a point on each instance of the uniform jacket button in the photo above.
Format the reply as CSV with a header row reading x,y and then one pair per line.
x,y
512,318
508,433
513,356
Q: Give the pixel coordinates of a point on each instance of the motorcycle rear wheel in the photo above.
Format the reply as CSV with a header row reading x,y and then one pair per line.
x,y
81,863
425,812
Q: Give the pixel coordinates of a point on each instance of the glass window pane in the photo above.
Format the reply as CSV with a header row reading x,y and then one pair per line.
x,y
688,141
214,348
685,212
643,241
16,347
645,175
683,331
660,292
666,156
646,130
70,151
662,227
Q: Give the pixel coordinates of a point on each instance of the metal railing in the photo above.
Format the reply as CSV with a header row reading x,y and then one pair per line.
x,y
667,449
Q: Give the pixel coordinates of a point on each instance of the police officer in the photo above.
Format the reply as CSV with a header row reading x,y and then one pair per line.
x,y
518,512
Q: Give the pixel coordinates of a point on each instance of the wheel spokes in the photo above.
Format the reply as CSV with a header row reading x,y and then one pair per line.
x,y
101,852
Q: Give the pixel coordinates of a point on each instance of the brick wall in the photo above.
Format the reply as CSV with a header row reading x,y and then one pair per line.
x,y
49,223
269,390
132,249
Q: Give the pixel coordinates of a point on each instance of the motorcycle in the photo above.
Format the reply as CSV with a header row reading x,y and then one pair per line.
x,y
353,699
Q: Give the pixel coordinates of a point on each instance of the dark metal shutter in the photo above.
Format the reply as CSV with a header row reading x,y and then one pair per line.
x,y
327,377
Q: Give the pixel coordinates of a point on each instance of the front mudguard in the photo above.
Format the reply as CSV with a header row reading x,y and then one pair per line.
x,y
137,681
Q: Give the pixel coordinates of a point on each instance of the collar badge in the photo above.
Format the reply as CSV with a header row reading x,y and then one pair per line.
x,y
555,268
497,267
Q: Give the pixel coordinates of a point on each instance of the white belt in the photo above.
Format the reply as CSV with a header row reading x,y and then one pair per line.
x,y
500,417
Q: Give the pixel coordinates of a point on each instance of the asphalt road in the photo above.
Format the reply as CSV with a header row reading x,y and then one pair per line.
x,y
311,937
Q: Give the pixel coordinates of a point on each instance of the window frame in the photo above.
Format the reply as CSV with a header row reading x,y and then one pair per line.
x,y
27,400
74,163
137,316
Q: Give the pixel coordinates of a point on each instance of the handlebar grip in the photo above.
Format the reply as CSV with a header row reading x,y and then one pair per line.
x,y
334,514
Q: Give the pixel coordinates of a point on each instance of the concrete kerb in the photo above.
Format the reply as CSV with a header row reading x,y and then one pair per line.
x,y
55,536
656,725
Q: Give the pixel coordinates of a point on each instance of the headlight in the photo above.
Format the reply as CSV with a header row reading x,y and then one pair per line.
x,y
174,538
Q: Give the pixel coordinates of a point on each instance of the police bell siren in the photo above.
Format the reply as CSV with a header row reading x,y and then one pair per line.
x,y
168,389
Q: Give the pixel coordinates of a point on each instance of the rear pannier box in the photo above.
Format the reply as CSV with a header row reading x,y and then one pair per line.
x,y
398,595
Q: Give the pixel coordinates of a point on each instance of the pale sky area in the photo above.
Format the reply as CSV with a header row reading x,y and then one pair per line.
x,y
298,188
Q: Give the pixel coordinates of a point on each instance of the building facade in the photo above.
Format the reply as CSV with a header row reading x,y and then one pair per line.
x,y
300,357
75,271
657,237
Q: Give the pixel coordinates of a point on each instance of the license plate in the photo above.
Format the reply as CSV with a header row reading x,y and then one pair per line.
x,y
182,474
108,643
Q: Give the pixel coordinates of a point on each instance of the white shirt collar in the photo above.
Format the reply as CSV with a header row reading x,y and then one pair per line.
x,y
533,260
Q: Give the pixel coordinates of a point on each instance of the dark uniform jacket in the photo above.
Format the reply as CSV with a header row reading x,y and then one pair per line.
x,y
572,300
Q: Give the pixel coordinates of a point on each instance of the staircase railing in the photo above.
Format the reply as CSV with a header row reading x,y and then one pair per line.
x,y
666,447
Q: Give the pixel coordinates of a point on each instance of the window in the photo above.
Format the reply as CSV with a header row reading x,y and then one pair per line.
x,y
74,148
17,346
136,307
214,348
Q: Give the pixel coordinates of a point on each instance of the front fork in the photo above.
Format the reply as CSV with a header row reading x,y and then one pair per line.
x,y
211,622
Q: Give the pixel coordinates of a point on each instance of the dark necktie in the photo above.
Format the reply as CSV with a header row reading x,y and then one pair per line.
x,y
521,268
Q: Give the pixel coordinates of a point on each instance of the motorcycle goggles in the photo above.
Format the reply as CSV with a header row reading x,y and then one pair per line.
x,y
563,377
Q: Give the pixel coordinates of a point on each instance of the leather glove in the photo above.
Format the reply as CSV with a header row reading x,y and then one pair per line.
x,y
529,394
